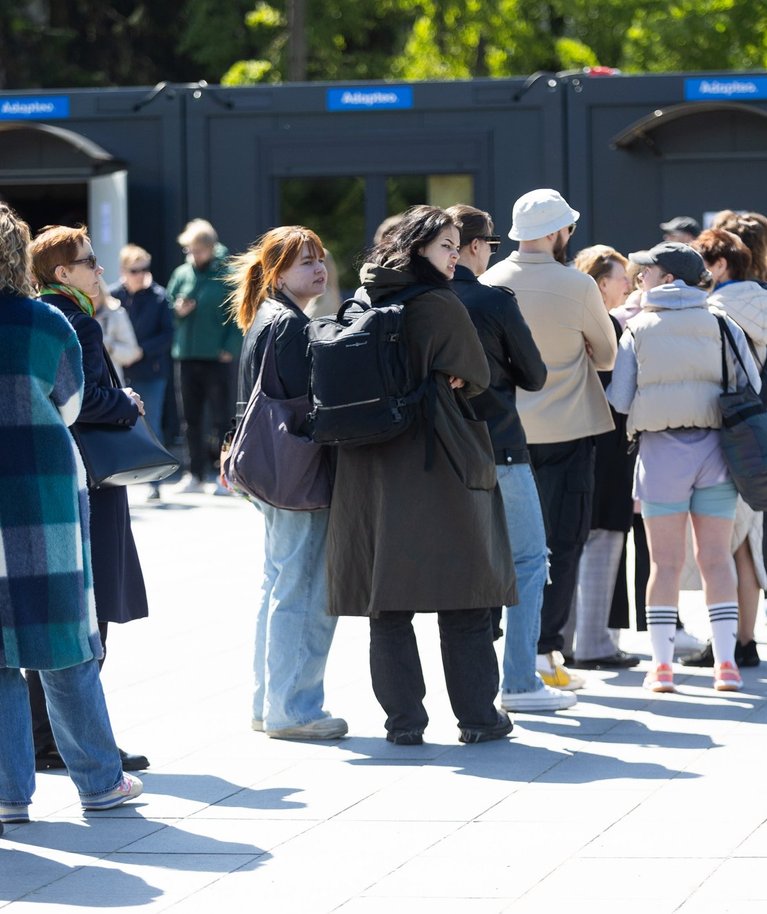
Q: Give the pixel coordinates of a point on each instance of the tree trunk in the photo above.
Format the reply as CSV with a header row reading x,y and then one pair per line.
x,y
297,40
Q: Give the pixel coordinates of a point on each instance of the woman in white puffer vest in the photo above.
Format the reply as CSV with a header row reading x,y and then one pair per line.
x,y
667,378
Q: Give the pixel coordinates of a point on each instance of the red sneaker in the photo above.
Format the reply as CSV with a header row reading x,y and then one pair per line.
x,y
726,677
660,679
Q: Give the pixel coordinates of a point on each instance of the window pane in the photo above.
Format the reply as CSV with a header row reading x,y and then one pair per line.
x,y
403,191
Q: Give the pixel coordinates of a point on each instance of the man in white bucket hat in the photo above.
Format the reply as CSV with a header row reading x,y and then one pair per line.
x,y
564,310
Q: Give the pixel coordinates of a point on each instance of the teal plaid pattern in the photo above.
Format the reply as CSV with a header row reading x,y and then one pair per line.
x,y
47,609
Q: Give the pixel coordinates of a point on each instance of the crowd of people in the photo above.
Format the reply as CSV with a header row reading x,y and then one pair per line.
x,y
571,402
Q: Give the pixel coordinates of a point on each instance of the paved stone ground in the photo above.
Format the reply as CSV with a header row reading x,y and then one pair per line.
x,y
626,802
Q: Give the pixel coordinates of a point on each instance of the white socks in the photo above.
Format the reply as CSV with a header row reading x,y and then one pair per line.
x,y
724,630
661,624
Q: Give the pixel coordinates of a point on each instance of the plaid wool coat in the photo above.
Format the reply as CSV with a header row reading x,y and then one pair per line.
x,y
47,609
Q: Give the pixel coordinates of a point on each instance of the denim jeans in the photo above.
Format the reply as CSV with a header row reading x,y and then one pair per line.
x,y
528,547
293,629
468,659
80,724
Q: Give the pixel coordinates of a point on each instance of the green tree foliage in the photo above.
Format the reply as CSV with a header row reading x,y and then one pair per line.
x,y
347,39
58,43
61,43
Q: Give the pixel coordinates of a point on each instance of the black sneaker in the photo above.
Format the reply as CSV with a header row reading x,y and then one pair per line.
x,y
619,660
502,728
703,657
746,654
48,759
405,737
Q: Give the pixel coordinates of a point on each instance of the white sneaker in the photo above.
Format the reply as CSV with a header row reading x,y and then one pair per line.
x,y
685,643
128,789
544,699
189,485
323,728
552,670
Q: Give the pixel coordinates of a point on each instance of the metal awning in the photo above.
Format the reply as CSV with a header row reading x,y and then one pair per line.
x,y
41,152
643,129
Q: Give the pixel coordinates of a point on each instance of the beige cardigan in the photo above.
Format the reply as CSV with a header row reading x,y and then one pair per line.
x,y
564,310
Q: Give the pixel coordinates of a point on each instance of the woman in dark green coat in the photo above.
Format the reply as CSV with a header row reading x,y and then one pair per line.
x,y
408,534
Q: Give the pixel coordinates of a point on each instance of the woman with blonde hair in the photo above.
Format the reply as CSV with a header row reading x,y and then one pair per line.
x,y
47,612
273,284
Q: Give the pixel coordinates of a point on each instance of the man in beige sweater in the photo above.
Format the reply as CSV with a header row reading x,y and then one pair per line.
x,y
564,310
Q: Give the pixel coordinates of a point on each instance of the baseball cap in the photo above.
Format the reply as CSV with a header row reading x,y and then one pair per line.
x,y
681,224
676,258
539,213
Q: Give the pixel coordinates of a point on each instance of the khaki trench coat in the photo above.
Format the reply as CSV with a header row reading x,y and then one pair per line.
x,y
405,538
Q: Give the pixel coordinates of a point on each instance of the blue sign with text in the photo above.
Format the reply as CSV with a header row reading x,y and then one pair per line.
x,y
367,98
37,108
729,88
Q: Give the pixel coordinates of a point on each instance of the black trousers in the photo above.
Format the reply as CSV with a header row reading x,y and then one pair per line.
x,y
204,383
468,659
41,725
565,475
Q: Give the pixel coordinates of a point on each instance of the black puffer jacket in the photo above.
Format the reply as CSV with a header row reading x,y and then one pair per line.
x,y
513,357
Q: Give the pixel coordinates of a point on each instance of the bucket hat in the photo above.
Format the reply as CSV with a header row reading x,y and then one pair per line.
x,y
539,213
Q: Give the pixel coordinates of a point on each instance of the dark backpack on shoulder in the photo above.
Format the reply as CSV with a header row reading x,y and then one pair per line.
x,y
361,387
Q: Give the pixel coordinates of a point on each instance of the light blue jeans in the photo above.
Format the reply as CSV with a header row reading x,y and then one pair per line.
x,y
80,724
293,629
528,546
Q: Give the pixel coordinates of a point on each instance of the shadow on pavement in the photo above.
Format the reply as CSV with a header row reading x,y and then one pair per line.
x,y
115,888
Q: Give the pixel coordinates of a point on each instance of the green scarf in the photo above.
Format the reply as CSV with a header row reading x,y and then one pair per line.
x,y
82,301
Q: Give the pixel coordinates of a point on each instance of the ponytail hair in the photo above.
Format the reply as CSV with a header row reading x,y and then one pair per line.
x,y
255,273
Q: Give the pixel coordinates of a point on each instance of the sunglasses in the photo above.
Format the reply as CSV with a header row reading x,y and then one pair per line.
x,y
91,261
136,270
571,228
493,240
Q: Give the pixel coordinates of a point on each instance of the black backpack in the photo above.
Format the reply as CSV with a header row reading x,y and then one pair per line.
x,y
361,387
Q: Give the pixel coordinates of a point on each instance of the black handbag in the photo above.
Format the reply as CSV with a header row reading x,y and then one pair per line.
x,y
743,432
270,458
121,455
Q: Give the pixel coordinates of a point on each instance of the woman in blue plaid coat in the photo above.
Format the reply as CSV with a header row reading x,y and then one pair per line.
x,y
47,612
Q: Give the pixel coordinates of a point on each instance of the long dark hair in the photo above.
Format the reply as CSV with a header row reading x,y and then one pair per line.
x,y
399,250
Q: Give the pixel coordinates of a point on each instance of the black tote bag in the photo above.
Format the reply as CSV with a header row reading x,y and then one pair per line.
x,y
120,455
270,458
743,433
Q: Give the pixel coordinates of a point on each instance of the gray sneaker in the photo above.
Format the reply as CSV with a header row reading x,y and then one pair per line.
x,y
324,728
544,699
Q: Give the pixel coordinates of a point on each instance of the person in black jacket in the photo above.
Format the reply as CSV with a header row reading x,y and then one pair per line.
x,y
273,283
150,313
514,361
67,271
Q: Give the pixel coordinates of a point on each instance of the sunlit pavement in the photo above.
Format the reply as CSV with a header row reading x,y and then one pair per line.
x,y
627,802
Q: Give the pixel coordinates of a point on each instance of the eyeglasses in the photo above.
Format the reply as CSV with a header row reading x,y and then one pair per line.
x,y
91,261
493,240
136,270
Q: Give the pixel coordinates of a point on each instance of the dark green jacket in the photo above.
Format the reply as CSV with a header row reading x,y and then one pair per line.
x,y
206,331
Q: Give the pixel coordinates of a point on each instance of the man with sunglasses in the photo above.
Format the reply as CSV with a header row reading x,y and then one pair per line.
x,y
149,309
514,362
567,318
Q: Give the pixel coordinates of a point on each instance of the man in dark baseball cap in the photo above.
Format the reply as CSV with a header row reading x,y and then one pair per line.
x,y
680,260
681,228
